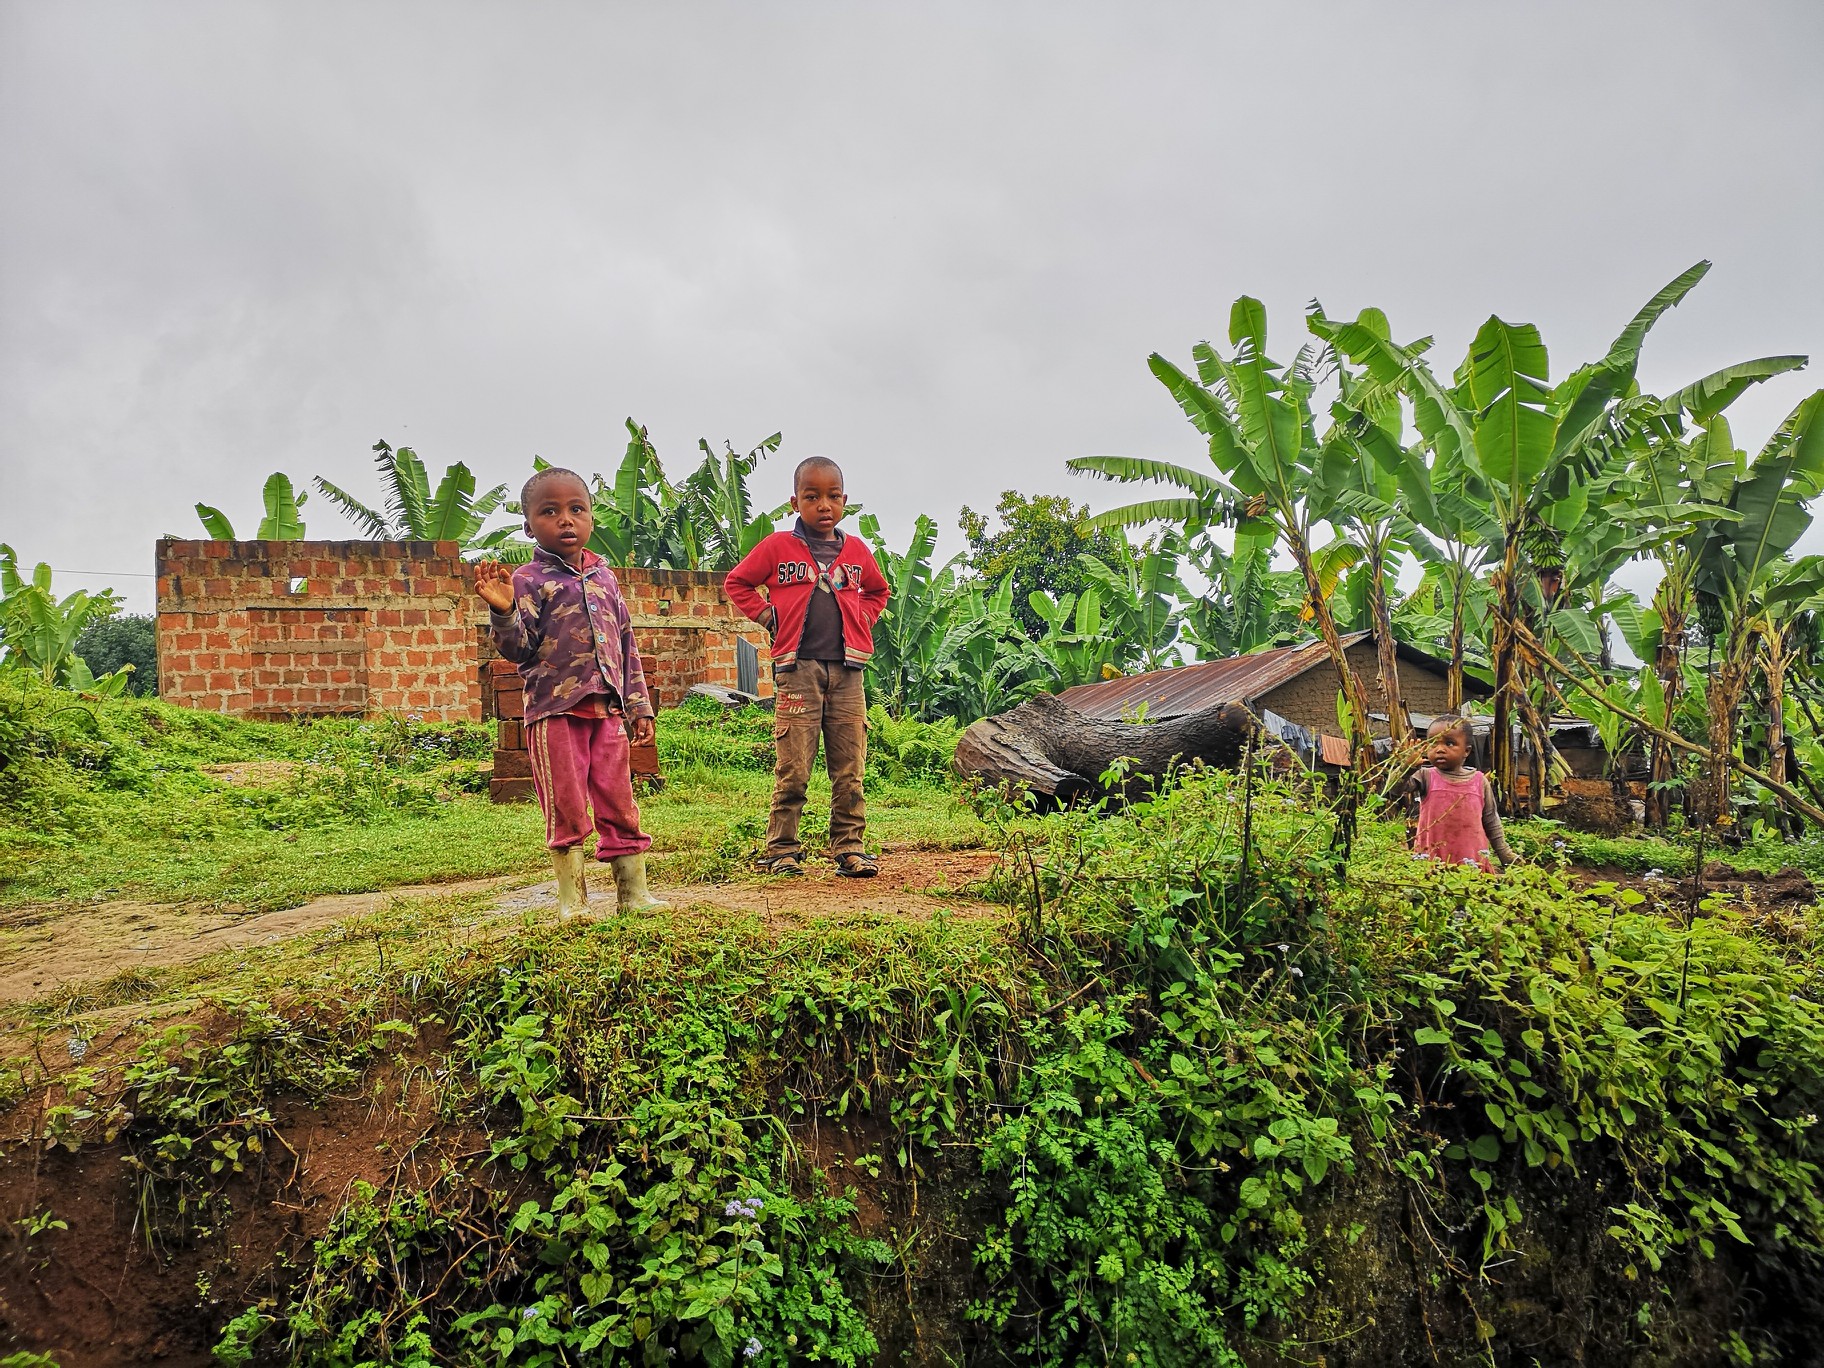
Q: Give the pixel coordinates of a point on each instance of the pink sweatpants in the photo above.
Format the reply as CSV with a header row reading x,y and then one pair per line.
x,y
578,763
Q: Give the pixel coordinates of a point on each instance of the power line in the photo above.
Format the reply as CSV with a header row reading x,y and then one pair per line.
x,y
118,574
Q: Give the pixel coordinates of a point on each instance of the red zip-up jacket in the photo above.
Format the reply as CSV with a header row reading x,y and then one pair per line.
x,y
783,563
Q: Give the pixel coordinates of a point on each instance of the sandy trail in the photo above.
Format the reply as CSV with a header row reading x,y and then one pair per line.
x,y
45,951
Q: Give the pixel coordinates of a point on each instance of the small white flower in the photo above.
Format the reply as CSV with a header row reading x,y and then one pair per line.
x,y
1297,972
1282,947
751,1349
78,1047
530,1313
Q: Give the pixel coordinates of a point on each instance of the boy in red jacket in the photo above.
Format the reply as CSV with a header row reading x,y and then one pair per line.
x,y
823,595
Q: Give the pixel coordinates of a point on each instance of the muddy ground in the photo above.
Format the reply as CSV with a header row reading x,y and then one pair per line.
x,y
44,950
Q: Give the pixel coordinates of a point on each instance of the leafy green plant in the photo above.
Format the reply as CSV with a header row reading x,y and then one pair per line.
x,y
902,748
39,631
283,520
107,645
412,510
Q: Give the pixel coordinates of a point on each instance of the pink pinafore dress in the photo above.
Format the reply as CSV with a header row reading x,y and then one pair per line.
x,y
1450,818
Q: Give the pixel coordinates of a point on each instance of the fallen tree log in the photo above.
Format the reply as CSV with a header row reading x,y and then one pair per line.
x,y
1049,748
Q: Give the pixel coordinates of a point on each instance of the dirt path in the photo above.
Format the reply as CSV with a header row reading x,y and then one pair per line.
x,y
46,952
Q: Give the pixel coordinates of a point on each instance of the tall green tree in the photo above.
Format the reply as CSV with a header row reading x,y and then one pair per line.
x,y
1677,479
1039,545
1525,450
1739,566
1386,488
126,639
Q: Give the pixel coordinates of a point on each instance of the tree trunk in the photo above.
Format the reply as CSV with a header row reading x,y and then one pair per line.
x,y
1539,762
1348,682
1668,664
1399,724
1049,748
1725,696
1776,711
1453,679
1506,644
1581,681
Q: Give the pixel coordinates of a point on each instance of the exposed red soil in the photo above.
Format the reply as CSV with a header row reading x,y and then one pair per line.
x,y
101,1295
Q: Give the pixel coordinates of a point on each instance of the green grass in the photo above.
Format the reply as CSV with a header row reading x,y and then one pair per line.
x,y
1673,856
1155,1052
118,801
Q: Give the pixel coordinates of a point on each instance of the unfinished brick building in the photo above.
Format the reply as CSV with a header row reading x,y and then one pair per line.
x,y
306,628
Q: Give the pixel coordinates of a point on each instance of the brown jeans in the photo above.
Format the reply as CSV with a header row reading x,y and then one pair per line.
x,y
819,699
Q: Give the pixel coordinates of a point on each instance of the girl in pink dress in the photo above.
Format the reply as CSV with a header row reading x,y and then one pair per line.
x,y
1458,822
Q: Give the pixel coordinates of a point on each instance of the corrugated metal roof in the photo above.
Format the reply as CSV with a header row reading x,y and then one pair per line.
x,y
1188,689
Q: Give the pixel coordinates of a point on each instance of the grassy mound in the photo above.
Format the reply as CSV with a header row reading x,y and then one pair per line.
x,y
137,799
1203,1091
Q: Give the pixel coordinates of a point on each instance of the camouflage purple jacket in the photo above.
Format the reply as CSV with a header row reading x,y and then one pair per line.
x,y
572,637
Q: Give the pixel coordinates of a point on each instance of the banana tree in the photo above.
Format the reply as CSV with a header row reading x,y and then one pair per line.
x,y
1678,480
1737,563
1248,607
1387,486
714,513
985,663
39,631
1269,465
1076,644
1791,598
413,511
1524,451
283,520
1139,597
1447,615
902,672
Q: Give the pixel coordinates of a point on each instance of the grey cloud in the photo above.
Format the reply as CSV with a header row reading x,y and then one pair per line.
x,y
937,241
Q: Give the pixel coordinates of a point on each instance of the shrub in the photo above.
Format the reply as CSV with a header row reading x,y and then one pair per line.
x,y
131,639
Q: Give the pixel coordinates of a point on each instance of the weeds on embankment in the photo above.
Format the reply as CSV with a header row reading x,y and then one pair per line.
x,y
1191,1099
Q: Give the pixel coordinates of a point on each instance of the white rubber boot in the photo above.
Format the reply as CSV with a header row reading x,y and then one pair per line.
x,y
572,887
630,885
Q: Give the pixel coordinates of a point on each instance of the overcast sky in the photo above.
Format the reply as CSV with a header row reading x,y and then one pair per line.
x,y
934,241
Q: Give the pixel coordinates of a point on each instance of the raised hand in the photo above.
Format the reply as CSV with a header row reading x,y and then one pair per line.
x,y
494,582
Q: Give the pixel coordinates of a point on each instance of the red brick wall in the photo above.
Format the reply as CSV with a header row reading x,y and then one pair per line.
x,y
306,660
686,629
377,627
391,627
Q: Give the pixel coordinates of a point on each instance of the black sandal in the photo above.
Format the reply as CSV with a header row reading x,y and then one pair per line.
x,y
781,864
856,866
